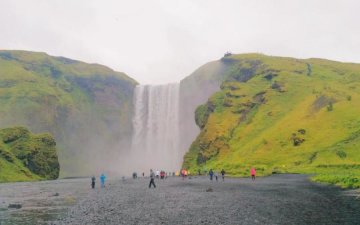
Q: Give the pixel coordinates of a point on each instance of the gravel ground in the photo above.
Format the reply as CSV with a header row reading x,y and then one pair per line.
x,y
41,201
278,199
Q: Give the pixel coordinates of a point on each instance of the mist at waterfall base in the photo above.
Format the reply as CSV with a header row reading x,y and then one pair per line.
x,y
156,135
164,121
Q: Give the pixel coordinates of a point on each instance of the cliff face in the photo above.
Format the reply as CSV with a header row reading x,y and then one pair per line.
x,y
87,107
281,115
195,90
25,156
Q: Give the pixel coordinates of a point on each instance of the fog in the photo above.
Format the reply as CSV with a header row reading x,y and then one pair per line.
x,y
162,41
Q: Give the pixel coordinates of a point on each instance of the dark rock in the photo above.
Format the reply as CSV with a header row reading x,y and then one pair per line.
x,y
259,97
321,102
302,131
209,190
227,103
298,141
277,86
270,76
15,206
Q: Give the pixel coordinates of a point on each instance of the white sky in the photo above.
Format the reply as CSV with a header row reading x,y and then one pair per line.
x,y
161,41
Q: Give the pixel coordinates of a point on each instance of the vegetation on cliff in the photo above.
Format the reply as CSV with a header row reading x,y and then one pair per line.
x,y
25,156
86,107
282,115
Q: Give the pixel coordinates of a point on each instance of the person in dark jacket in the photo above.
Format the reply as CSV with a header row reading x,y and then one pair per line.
x,y
152,177
93,182
223,174
211,174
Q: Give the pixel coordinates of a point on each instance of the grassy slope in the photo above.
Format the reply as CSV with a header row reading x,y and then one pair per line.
x,y
26,157
252,123
80,104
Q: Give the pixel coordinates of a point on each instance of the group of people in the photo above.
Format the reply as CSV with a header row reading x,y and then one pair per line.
x,y
159,174
102,181
162,175
216,174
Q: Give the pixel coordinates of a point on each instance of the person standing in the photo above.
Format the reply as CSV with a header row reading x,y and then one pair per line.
x,y
102,180
216,175
152,177
211,174
182,173
253,173
223,174
93,182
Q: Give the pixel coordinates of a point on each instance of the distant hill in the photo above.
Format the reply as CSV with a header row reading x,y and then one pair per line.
x,y
281,115
87,107
25,156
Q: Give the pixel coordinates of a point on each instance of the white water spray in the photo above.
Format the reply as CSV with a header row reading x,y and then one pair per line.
x,y
155,142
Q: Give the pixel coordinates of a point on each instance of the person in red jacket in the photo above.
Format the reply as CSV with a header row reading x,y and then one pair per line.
x,y
253,173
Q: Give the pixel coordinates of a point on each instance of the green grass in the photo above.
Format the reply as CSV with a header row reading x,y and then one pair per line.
x,y
75,101
256,122
27,157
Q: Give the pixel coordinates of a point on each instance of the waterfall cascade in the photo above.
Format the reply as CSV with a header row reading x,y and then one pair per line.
x,y
155,142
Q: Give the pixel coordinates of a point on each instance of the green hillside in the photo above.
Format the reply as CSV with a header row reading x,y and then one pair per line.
x,y
26,157
282,115
87,107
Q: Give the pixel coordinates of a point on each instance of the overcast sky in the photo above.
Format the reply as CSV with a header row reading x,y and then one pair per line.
x,y
161,41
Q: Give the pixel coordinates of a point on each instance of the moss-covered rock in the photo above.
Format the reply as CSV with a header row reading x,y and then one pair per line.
x,y
25,156
201,114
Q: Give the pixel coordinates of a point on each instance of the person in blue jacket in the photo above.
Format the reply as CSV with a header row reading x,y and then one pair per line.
x,y
102,180
211,174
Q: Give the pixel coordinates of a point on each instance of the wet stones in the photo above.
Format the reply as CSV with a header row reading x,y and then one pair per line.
x,y
55,195
15,206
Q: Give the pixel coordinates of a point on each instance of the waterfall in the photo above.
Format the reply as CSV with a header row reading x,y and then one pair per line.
x,y
155,142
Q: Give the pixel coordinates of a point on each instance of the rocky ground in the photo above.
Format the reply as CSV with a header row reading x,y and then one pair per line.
x,y
40,202
279,199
